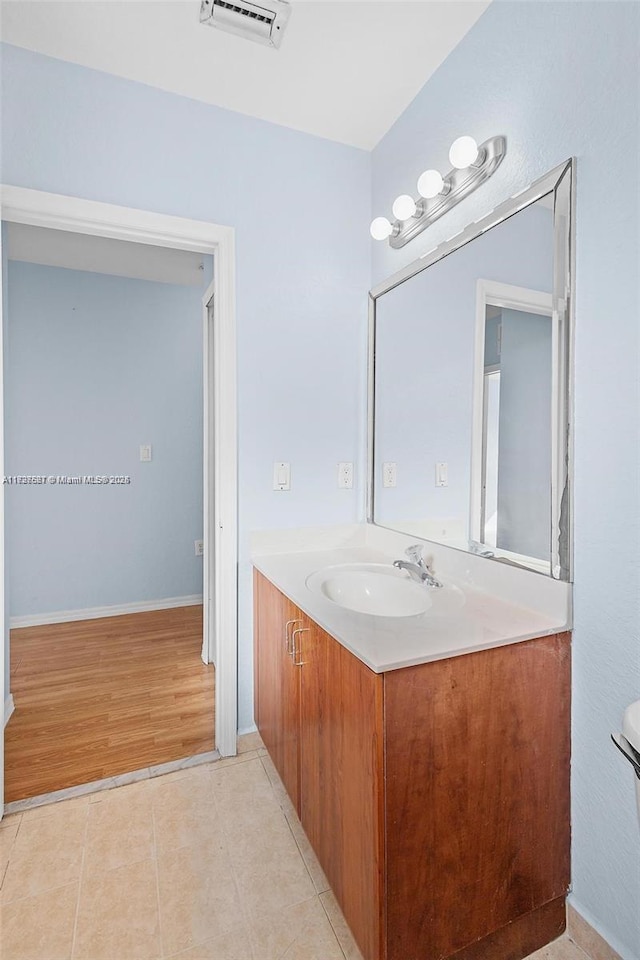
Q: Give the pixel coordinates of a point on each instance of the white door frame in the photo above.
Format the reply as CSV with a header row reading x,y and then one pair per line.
x,y
210,588
37,208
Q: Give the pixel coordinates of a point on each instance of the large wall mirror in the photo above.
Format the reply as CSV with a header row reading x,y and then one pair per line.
x,y
469,386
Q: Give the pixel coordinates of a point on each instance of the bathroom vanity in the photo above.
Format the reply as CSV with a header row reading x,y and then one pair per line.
x,y
422,730
435,794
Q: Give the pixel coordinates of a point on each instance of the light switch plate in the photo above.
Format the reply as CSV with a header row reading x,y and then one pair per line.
x,y
145,452
442,474
282,475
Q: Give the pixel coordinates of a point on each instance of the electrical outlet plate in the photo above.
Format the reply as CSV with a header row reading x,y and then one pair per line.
x,y
199,547
389,476
345,475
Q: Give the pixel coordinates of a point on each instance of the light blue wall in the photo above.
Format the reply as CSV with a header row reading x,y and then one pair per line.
x,y
561,79
96,366
524,435
301,207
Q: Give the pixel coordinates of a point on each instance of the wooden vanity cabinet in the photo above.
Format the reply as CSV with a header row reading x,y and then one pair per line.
x,y
277,682
436,797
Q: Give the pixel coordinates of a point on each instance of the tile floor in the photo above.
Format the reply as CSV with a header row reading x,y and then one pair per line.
x,y
205,863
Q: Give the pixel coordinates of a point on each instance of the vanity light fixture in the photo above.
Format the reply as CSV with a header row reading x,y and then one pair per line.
x,y
404,207
472,165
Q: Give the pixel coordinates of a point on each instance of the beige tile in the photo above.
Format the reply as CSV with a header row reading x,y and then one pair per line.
x,y
184,811
244,798
240,785
312,863
9,833
46,853
298,932
11,822
7,838
561,949
120,829
277,785
232,761
249,741
229,946
198,896
40,927
583,934
340,927
269,868
187,763
118,915
57,810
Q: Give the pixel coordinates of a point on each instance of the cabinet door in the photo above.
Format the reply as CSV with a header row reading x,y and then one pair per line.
x,y
277,681
477,782
341,781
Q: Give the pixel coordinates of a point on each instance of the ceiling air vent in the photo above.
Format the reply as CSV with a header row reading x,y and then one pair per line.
x,y
265,23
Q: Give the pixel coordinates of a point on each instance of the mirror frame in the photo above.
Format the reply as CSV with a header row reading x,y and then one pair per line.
x,y
561,183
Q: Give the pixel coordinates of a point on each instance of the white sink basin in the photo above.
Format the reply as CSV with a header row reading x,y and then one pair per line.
x,y
375,588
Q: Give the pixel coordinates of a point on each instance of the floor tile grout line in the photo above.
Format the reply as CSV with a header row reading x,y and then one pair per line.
x,y
248,917
568,937
157,872
11,846
286,818
318,893
302,857
335,932
80,879
226,840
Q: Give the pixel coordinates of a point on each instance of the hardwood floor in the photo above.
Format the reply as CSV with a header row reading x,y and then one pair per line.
x,y
97,698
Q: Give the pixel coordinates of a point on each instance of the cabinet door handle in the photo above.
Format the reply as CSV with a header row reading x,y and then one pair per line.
x,y
287,637
296,652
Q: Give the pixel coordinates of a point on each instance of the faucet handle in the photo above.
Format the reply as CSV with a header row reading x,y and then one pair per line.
x,y
414,552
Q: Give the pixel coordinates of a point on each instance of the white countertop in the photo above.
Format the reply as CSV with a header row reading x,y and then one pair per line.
x,y
448,629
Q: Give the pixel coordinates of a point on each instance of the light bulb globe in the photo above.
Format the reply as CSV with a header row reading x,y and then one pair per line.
x,y
380,228
404,207
463,152
430,184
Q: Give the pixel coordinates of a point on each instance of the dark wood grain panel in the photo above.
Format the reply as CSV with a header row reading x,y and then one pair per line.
x,y
341,780
522,937
477,794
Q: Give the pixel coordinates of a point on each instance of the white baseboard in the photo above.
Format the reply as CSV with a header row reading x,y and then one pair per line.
x,y
9,707
94,613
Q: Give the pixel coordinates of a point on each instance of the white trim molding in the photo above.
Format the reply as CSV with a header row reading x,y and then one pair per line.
x,y
34,207
95,613
9,707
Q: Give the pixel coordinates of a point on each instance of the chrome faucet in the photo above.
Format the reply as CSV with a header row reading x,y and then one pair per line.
x,y
416,566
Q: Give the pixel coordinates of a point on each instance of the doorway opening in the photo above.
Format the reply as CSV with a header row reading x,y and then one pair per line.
x,y
218,346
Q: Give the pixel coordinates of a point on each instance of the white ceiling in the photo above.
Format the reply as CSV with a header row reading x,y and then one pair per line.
x,y
346,70
120,258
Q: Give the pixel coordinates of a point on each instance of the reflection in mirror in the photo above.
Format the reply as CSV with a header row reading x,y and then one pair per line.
x,y
470,379
515,383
